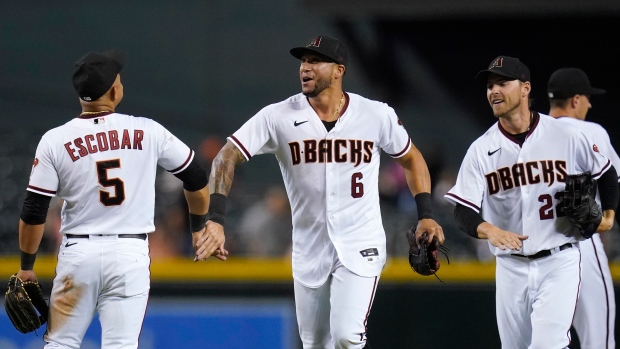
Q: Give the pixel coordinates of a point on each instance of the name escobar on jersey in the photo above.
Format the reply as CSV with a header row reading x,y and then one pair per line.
x,y
526,173
104,141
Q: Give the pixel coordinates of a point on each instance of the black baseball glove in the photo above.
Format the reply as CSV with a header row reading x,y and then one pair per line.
x,y
579,204
423,257
22,301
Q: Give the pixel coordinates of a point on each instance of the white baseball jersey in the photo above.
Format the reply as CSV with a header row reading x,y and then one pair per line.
x,y
596,308
103,166
516,187
331,179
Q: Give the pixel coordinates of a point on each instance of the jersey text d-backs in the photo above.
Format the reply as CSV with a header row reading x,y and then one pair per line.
x,y
331,179
103,166
531,172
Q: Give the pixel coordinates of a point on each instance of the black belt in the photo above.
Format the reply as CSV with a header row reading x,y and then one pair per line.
x,y
124,236
545,253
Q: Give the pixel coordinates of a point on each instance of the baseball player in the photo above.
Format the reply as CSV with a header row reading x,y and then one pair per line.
x,y
103,165
569,93
328,143
507,192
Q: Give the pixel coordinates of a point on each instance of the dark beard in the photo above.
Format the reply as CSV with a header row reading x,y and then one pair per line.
x,y
509,111
319,87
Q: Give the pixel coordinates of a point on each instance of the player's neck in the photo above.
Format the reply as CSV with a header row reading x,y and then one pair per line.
x,y
96,110
561,112
517,123
329,107
103,105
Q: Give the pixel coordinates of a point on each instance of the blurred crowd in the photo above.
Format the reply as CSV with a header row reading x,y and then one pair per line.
x,y
259,217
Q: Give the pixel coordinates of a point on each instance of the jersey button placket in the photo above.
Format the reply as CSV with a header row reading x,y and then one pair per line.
x,y
525,193
331,186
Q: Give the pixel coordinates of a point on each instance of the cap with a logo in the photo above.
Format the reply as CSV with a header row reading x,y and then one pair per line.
x,y
326,46
95,73
567,82
509,67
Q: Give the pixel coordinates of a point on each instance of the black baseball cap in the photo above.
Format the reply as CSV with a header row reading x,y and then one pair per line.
x,y
325,46
509,67
567,82
95,73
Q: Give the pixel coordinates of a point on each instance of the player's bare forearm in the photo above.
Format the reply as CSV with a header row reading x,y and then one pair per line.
x,y
416,171
30,236
500,238
197,201
223,169
607,222
419,181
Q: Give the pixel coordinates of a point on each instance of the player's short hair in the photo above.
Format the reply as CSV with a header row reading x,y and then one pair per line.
x,y
96,72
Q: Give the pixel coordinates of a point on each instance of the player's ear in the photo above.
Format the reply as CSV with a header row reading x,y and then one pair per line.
x,y
526,87
116,91
112,93
339,70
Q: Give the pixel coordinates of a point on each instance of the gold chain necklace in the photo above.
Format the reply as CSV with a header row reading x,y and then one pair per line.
x,y
95,112
337,112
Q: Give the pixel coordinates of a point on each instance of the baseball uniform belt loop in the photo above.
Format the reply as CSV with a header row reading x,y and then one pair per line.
x,y
546,253
123,236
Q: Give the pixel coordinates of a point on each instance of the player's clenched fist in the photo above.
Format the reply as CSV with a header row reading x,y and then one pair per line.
x,y
432,229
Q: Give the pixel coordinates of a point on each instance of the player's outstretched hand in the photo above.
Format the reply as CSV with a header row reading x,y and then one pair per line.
x,y
432,230
210,242
499,238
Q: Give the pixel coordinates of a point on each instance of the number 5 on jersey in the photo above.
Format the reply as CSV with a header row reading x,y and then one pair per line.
x,y
119,186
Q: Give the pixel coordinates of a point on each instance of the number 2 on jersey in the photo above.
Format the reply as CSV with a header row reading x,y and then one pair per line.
x,y
119,186
546,210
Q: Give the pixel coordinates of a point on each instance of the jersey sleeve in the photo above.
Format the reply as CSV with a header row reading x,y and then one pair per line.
x,y
254,137
43,178
469,187
174,155
589,157
395,140
603,142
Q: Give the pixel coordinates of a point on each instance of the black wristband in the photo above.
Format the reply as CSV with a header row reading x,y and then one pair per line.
x,y
27,260
197,222
217,208
425,205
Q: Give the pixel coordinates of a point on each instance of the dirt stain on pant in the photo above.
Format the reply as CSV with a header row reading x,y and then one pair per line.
x,y
65,301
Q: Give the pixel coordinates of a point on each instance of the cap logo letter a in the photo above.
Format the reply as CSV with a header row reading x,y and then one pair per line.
x,y
316,42
497,63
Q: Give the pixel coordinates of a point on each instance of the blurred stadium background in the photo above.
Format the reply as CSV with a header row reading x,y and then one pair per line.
x,y
201,68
